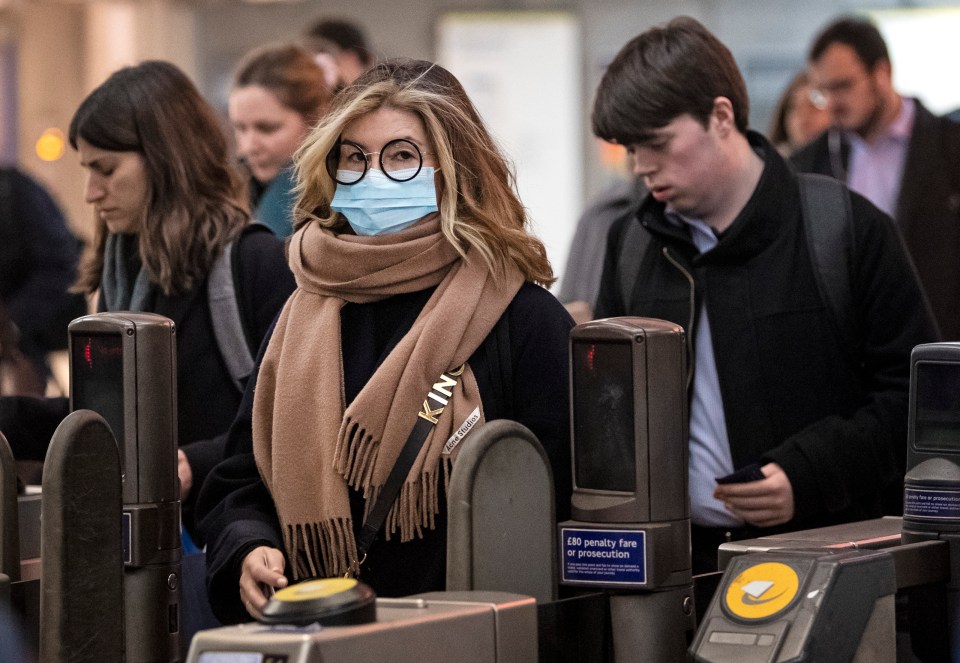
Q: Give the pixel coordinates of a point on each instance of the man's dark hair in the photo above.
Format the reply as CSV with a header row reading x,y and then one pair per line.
x,y
346,35
663,73
859,34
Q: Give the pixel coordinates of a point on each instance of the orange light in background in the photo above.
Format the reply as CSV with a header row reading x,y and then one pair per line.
x,y
50,145
613,158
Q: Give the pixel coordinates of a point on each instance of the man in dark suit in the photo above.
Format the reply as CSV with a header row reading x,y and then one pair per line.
x,y
893,151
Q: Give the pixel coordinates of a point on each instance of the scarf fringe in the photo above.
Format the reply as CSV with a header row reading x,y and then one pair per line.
x,y
418,504
356,455
318,550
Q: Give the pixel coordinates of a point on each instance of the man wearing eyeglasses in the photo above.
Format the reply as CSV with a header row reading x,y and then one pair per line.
x,y
893,151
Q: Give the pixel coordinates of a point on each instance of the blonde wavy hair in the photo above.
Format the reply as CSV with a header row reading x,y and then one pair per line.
x,y
479,206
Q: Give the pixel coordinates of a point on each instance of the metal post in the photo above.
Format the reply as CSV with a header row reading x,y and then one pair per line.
x,y
123,365
9,514
81,599
501,523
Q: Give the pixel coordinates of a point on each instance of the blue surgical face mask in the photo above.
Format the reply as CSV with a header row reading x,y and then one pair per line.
x,y
378,205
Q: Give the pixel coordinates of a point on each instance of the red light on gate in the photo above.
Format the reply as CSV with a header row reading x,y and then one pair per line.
x,y
590,354
87,353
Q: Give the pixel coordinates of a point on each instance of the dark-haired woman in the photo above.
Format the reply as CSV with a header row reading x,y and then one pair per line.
x,y
167,206
413,260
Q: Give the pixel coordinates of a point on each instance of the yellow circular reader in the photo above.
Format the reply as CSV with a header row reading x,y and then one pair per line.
x,y
327,601
762,590
315,589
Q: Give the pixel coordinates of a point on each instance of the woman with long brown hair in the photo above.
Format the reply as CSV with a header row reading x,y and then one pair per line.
x,y
414,265
167,207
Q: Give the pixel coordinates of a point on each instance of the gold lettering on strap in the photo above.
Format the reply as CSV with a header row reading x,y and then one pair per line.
x,y
445,386
428,414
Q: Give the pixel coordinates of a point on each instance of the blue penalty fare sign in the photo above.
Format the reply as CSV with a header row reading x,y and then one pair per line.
x,y
603,556
931,504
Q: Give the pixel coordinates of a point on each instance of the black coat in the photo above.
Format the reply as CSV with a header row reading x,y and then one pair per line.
x,y
928,207
207,399
236,511
832,416
38,264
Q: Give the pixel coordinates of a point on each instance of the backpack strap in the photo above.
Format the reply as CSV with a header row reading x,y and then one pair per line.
x,y
828,227
633,246
227,321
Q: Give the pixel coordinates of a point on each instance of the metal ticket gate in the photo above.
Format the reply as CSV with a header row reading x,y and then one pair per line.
x,y
818,595
110,527
487,622
631,538
19,553
630,532
802,606
81,579
501,504
473,627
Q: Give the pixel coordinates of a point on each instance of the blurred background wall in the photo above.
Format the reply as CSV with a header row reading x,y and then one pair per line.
x,y
52,52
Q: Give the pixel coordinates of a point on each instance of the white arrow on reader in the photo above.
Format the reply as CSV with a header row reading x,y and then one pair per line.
x,y
757,588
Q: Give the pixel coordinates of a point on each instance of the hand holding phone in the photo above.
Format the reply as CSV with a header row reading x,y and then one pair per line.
x,y
746,474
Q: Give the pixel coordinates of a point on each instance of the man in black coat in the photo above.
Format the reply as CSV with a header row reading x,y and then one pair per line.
x,y
893,151
725,254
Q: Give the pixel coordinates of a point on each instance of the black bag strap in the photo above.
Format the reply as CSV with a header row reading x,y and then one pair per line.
x,y
828,227
427,418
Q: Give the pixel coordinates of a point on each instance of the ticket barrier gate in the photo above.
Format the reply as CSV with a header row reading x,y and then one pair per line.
x,y
61,595
473,627
19,551
110,562
819,595
500,596
630,533
931,496
123,366
82,574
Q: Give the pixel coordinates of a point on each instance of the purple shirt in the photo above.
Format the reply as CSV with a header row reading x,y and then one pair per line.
x,y
876,168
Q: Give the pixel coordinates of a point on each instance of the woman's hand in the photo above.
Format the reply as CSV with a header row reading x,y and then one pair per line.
x,y
185,474
763,503
260,575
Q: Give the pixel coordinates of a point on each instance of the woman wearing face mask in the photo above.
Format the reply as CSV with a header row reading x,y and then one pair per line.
x,y
413,260
159,179
279,93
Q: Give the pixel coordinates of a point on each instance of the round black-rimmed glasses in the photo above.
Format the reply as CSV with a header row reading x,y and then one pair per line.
x,y
400,160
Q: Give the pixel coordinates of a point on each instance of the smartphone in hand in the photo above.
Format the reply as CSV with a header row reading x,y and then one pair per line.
x,y
745,474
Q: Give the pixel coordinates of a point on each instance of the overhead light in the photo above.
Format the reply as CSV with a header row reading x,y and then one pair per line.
x,y
49,146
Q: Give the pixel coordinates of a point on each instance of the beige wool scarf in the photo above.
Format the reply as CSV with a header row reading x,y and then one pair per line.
x,y
308,447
